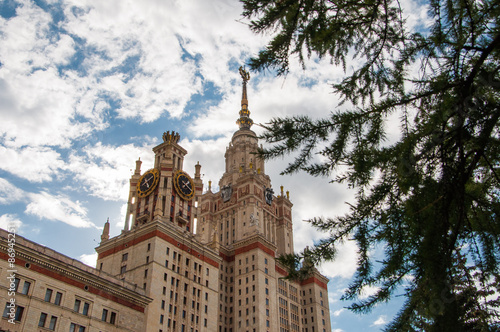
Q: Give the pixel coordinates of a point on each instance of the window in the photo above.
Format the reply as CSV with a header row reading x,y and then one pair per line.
x,y
104,316
53,322
48,295
58,298
76,328
16,283
26,287
43,319
76,307
85,310
17,315
123,269
124,257
112,319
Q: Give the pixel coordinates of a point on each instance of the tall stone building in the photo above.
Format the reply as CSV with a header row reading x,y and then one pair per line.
x,y
223,276
206,261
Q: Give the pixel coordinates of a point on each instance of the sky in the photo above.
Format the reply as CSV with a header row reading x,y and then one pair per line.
x,y
88,87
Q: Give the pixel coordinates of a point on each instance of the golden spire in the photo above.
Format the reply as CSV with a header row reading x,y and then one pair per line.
x,y
244,121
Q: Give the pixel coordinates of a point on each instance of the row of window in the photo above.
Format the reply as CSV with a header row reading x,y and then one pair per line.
x,y
51,323
51,296
25,289
44,320
107,316
247,323
172,323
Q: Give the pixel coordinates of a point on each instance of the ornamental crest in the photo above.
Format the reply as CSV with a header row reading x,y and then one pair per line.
x,y
226,192
268,195
254,220
171,137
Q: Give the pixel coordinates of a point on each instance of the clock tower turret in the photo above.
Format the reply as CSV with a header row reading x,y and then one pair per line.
x,y
164,192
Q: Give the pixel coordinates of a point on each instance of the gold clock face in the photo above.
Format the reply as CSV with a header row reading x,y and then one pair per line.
x,y
184,185
148,182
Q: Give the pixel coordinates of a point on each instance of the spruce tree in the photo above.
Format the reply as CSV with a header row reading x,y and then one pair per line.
x,y
431,199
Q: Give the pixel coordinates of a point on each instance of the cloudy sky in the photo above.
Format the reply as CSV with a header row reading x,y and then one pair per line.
x,y
87,87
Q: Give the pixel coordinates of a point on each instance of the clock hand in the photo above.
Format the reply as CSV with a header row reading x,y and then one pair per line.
x,y
187,184
147,182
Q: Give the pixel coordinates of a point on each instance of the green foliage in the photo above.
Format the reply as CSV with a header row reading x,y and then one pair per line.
x,y
432,198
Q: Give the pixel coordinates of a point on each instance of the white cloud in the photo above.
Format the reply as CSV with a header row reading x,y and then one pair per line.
x,y
344,265
35,164
39,107
210,154
174,47
9,193
58,208
9,221
89,259
381,320
368,291
337,313
123,211
303,92
105,170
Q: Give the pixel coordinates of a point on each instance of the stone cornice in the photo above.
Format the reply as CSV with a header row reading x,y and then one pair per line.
x,y
250,243
316,277
257,237
162,229
56,265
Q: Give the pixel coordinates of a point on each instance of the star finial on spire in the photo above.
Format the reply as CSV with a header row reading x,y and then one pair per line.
x,y
244,121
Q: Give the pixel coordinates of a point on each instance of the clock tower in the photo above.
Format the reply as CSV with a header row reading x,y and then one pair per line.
x,y
164,192
157,250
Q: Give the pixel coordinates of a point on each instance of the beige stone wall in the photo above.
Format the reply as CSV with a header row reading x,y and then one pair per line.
x,y
35,277
181,278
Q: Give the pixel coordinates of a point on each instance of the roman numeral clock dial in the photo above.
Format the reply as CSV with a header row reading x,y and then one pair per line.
x,y
184,185
148,182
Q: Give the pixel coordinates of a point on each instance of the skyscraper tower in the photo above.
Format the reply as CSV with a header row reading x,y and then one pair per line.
x,y
223,276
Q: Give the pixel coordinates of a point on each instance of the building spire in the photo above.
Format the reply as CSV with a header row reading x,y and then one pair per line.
x,y
244,121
